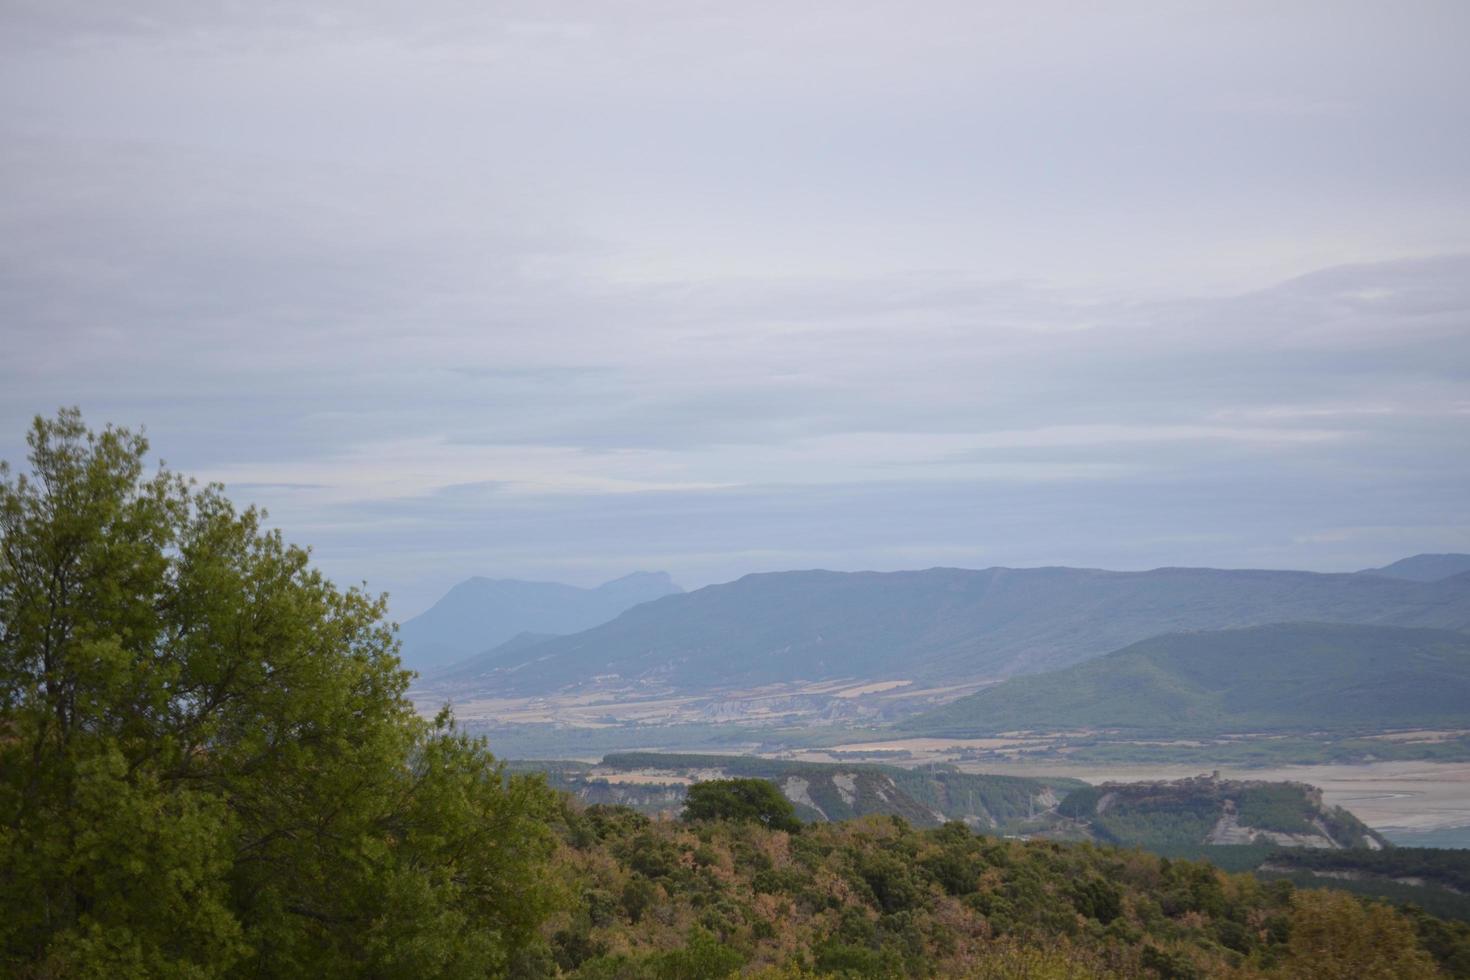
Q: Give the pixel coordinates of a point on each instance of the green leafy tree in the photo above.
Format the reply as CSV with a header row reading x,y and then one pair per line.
x,y
741,799
208,764
1335,936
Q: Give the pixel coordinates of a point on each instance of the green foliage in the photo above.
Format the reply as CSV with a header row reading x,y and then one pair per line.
x,y
701,958
741,799
1158,820
208,765
1335,936
836,958
1281,807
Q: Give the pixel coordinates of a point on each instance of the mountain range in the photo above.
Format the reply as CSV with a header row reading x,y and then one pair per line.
x,y
934,627
481,613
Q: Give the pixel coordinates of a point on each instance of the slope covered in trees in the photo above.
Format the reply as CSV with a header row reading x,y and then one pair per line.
x,y
1292,677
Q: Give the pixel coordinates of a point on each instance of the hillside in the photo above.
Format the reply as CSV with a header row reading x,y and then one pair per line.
x,y
1424,568
877,898
1291,677
1189,813
479,614
941,625
473,667
654,783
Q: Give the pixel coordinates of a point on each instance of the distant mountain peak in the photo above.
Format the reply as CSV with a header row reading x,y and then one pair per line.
x,y
482,613
663,579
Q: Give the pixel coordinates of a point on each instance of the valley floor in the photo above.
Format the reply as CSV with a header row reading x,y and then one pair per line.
x,y
1405,798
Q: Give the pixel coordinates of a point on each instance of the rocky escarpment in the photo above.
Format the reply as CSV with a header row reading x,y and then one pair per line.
x,y
925,797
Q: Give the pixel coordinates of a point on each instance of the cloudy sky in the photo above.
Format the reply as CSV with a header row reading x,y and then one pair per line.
x,y
566,289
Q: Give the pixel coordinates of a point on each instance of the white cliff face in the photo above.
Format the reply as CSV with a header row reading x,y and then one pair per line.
x,y
1227,830
798,791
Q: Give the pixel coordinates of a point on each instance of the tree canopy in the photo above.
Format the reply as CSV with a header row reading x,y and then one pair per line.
x,y
756,800
208,762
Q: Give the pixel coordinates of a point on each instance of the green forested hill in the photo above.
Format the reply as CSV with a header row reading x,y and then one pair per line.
x,y
943,624
1298,677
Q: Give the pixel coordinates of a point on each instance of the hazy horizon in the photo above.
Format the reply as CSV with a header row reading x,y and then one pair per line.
x,y
559,291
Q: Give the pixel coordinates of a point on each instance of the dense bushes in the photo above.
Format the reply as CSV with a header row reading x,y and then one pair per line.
x,y
877,898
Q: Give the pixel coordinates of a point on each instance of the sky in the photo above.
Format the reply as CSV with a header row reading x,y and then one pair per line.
x,y
561,290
